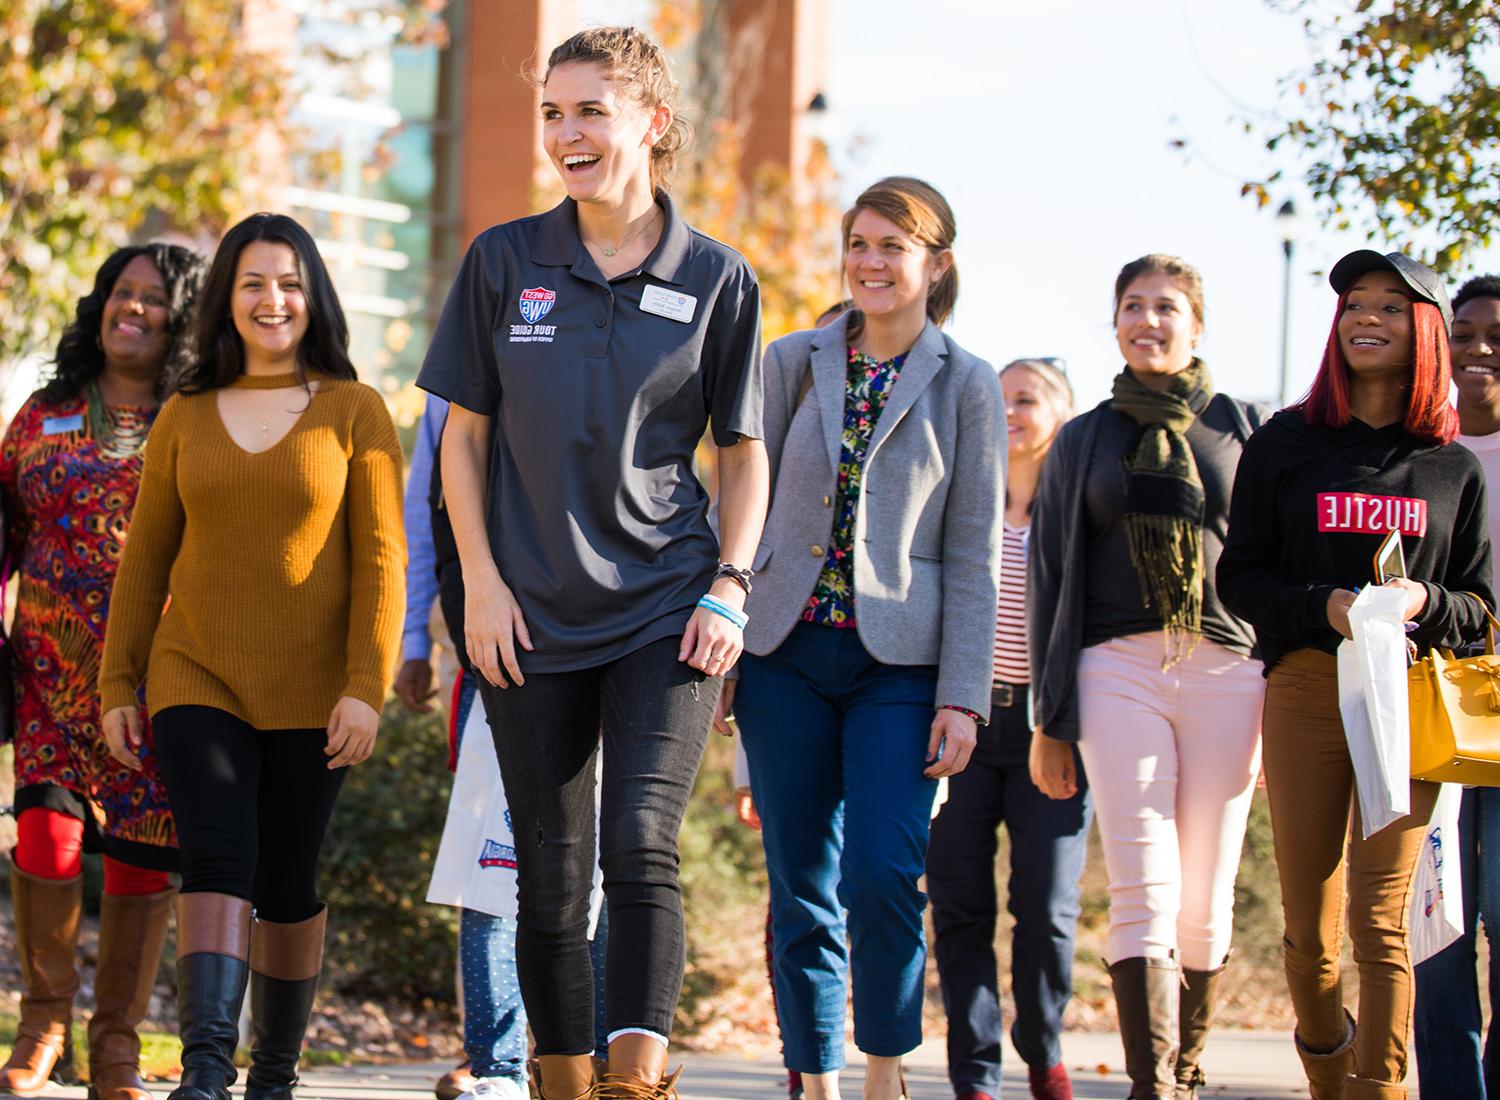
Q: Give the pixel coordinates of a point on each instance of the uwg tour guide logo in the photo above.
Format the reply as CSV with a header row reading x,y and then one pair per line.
x,y
536,303
1362,514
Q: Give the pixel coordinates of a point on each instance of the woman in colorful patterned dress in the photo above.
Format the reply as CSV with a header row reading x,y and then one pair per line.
x,y
867,661
69,469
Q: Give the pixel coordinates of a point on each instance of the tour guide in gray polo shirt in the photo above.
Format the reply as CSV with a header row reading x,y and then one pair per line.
x,y
600,391
597,392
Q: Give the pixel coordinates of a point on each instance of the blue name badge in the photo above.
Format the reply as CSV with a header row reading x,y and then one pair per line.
x,y
59,425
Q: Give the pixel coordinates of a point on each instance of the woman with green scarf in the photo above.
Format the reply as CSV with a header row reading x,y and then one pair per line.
x,y
1143,668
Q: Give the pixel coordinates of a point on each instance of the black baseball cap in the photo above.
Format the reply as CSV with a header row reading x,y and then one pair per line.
x,y
1423,281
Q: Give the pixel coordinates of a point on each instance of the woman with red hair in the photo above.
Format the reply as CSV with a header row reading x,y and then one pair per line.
x,y
1370,449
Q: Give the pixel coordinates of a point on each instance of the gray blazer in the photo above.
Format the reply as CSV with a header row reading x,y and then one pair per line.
x,y
927,536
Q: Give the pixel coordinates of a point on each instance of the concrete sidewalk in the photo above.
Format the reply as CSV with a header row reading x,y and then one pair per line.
x,y
1241,1065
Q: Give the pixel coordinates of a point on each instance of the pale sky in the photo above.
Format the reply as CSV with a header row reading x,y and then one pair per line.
x,y
1046,124
1047,127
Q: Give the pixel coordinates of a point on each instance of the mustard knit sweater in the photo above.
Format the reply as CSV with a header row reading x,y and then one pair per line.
x,y
282,572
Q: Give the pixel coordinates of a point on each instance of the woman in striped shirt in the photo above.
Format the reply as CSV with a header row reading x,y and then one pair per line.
x,y
1048,839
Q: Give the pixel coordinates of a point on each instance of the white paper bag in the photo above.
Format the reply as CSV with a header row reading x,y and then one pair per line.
x,y
476,861
1372,701
1437,904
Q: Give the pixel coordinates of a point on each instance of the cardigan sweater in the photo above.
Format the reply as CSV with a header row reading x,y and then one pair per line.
x,y
281,571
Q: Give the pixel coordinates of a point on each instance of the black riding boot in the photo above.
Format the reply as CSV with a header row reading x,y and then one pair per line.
x,y
213,941
285,960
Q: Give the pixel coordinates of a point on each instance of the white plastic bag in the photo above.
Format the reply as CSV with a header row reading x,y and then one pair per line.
x,y
1372,701
1437,904
476,861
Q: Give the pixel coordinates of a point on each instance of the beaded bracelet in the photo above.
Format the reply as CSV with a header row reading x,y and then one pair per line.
x,y
738,618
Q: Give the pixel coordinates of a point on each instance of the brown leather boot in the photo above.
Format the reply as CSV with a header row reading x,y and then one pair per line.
x,y
132,932
47,912
1328,1071
637,1070
564,1076
1197,1001
1146,1000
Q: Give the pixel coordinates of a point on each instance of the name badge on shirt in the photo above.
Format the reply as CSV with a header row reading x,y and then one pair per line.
x,y
671,304
61,425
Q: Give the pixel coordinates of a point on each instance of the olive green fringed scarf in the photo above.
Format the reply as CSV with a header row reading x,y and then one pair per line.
x,y
1164,502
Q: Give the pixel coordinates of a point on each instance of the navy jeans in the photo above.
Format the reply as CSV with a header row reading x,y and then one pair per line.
x,y
651,714
836,743
1448,1022
1048,845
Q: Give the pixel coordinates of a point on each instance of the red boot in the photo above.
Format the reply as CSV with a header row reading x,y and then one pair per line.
x,y
1051,1083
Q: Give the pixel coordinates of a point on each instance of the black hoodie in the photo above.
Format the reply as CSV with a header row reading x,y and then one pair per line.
x,y
1310,508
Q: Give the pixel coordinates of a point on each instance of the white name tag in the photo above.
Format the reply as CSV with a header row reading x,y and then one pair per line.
x,y
61,425
671,304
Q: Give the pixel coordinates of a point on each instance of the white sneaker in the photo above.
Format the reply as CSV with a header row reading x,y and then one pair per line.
x,y
496,1088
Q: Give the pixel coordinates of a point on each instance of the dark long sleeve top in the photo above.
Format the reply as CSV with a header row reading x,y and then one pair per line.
x,y
1061,615
1312,505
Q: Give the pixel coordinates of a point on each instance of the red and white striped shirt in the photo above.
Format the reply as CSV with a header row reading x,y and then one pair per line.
x,y
1012,664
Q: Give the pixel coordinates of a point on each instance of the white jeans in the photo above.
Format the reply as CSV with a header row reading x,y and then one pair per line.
x,y
1172,759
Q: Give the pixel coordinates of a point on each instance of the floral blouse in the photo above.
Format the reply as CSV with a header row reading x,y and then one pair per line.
x,y
868,383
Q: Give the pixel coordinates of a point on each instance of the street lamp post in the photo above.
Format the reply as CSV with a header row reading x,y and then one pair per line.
x,y
1286,224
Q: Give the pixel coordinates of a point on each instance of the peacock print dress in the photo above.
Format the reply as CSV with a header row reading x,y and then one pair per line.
x,y
68,490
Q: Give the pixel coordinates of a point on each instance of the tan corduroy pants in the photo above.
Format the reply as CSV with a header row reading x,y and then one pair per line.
x,y
1330,873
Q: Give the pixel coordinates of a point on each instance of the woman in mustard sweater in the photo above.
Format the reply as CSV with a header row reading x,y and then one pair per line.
x,y
269,524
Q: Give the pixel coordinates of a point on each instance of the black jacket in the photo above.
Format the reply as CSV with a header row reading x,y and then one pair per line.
x,y
1311,506
1057,558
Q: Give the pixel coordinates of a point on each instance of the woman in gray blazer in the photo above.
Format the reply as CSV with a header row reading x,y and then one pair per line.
x,y
868,652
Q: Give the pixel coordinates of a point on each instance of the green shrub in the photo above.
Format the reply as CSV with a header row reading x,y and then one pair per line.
x,y
723,889
385,940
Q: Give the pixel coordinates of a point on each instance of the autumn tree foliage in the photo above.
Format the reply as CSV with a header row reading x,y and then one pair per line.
x,y
123,118
111,110
1398,120
787,229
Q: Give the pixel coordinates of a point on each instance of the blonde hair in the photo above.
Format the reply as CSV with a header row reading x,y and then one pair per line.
x,y
630,58
919,209
1055,386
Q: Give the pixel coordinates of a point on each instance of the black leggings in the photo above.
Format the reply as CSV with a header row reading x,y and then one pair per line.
x,y
654,712
251,807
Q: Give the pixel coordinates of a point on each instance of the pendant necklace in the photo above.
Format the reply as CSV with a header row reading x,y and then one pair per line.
x,y
610,252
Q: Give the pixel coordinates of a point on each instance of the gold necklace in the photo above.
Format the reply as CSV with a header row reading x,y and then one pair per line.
x,y
641,232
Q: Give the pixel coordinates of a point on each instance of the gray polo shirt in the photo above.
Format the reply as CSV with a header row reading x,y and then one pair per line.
x,y
600,391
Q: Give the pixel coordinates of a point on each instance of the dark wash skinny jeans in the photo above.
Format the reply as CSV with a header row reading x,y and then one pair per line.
x,y
1048,847
654,713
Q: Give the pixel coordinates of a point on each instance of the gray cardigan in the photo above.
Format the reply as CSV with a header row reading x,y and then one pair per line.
x,y
927,536
1056,572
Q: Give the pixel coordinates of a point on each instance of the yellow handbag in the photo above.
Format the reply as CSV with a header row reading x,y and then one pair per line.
x,y
1455,715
